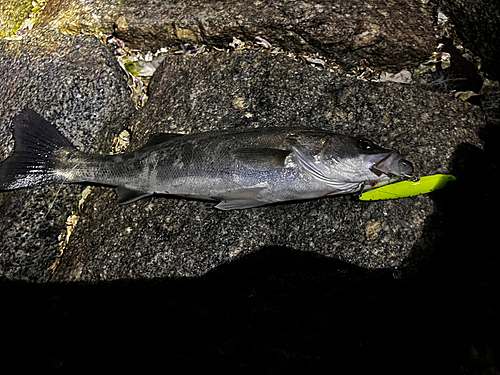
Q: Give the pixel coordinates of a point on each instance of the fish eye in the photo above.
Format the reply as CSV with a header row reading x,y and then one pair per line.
x,y
365,145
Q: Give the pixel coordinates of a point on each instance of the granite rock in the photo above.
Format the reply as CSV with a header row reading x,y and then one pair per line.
x,y
159,237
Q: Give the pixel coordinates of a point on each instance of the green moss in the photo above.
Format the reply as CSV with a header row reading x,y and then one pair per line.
x,y
131,68
12,15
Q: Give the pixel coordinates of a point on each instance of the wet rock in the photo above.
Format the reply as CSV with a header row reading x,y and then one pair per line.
x,y
391,34
77,85
158,237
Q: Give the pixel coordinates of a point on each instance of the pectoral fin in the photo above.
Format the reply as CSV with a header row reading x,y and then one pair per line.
x,y
260,158
125,195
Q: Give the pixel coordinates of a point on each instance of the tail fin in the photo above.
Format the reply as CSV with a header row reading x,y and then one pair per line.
x,y
34,161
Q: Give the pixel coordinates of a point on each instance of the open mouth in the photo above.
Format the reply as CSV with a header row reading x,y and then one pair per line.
x,y
394,165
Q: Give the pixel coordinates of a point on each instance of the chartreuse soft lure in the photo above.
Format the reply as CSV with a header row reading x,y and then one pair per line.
x,y
408,188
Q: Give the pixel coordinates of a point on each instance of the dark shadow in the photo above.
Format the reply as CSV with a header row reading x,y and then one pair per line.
x,y
272,312
457,260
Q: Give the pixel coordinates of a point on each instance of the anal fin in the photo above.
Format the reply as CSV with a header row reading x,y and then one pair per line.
x,y
239,204
125,195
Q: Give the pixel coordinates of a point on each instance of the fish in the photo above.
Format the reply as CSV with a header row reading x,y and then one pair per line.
x,y
239,168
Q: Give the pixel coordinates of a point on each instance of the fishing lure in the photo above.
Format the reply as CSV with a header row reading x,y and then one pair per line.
x,y
408,188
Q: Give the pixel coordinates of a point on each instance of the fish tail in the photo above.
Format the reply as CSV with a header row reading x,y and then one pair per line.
x,y
41,154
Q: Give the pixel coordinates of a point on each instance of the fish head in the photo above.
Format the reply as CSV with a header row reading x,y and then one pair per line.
x,y
358,160
387,165
394,165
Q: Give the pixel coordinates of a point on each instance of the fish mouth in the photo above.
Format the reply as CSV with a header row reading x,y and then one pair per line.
x,y
393,164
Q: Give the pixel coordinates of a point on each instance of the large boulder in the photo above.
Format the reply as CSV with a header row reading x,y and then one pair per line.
x,y
158,237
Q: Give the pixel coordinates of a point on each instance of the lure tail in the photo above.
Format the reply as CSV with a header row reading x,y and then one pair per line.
x,y
42,155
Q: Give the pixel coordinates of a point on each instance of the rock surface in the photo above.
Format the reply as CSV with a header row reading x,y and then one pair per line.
x,y
390,34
